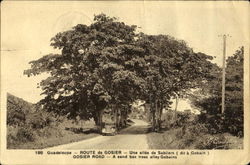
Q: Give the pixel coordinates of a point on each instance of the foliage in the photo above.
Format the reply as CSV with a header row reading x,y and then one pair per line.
x,y
232,120
181,119
95,68
213,122
212,142
198,135
193,135
11,136
172,119
23,130
172,68
40,129
17,109
234,93
25,134
40,120
192,132
108,63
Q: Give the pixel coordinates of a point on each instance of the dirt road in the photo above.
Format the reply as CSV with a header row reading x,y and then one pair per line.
x,y
132,137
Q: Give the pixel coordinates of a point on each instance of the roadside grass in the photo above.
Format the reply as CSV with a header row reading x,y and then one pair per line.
x,y
234,142
63,133
186,132
31,127
163,140
42,143
175,139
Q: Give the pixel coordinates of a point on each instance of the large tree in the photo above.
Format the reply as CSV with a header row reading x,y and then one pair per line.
x,y
108,64
94,69
172,68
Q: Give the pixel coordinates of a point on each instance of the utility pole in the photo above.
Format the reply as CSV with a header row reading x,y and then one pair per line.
x,y
223,73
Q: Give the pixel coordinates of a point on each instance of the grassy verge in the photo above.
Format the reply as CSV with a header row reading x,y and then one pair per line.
x,y
176,139
164,140
31,127
65,132
188,131
42,143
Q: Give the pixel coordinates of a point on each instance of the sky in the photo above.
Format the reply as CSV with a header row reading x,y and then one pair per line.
x,y
27,27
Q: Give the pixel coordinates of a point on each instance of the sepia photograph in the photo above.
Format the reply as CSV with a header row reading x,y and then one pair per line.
x,y
122,75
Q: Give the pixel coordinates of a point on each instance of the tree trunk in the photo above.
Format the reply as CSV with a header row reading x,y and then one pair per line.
x,y
95,116
116,118
176,106
158,115
152,111
98,118
153,116
100,123
123,117
119,118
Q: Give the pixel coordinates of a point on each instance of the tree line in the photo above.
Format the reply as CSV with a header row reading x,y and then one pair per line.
x,y
208,97
108,64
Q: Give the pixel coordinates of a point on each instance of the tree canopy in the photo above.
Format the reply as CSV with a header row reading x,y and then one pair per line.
x,y
109,63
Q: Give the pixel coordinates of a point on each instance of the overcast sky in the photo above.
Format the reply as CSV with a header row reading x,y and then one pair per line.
x,y
27,27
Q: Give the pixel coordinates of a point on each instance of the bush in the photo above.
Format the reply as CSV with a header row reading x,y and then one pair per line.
x,y
25,134
195,129
234,122
214,123
48,132
15,118
182,119
40,119
172,121
190,132
198,136
213,142
167,119
17,110
11,135
223,123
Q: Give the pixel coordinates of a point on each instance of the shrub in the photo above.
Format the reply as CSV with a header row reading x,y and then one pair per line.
x,y
214,123
167,119
25,134
15,118
49,131
17,110
223,123
40,119
176,119
195,129
213,142
190,132
11,135
198,135
182,119
234,122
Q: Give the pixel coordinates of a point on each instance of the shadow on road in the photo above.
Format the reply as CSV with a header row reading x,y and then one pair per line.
x,y
135,130
133,127
82,131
